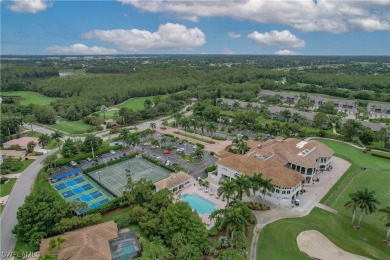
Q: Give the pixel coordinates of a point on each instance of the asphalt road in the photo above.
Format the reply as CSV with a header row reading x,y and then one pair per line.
x,y
20,191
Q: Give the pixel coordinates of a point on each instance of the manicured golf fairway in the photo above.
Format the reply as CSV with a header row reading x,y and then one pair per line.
x,y
72,127
30,97
278,240
357,156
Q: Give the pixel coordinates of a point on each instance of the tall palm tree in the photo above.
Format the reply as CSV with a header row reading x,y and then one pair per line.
x,y
368,203
242,147
164,140
165,123
124,135
256,180
202,126
57,135
152,126
103,109
155,142
30,119
211,128
56,243
194,124
133,139
30,146
185,123
266,186
386,217
227,189
43,140
353,204
177,116
242,185
198,153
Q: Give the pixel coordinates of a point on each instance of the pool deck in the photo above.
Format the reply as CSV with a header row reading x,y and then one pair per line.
x,y
218,202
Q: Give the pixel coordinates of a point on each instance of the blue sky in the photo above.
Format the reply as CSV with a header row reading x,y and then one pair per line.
x,y
323,27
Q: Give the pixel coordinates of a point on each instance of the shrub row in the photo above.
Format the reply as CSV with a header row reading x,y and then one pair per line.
x,y
169,135
95,167
200,145
113,204
82,156
210,168
379,154
158,163
102,165
216,137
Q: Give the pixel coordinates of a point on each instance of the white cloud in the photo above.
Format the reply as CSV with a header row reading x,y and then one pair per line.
x,y
335,16
80,49
228,51
285,52
29,6
169,36
278,38
234,35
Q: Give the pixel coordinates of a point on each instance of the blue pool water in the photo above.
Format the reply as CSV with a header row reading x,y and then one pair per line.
x,y
201,205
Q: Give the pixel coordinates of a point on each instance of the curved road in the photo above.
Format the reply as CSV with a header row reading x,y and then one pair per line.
x,y
19,192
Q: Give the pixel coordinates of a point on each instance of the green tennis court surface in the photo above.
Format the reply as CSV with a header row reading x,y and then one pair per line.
x,y
82,189
114,178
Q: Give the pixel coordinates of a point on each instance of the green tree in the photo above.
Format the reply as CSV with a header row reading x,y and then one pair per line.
x,y
351,128
198,153
124,135
148,103
155,142
189,252
255,180
91,142
185,123
57,135
103,109
157,251
243,185
368,203
321,120
352,203
44,140
265,186
152,126
177,116
211,128
231,254
386,217
30,119
55,244
138,192
328,108
227,189
69,148
38,216
30,146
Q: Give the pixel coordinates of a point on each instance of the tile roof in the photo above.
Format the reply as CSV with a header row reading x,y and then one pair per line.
x,y
281,176
173,180
22,142
12,153
90,243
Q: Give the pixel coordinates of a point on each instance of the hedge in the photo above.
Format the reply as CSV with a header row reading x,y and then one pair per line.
x,y
113,204
158,163
216,137
199,145
169,135
82,156
95,167
379,154
210,168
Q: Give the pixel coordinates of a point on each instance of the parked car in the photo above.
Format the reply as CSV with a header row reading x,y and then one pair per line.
x,y
168,163
112,152
125,154
181,142
297,201
88,159
167,152
180,150
73,164
195,147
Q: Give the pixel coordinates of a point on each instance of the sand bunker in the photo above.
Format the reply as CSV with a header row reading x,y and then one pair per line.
x,y
316,245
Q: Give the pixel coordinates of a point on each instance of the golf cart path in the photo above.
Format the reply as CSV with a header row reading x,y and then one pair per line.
x,y
318,246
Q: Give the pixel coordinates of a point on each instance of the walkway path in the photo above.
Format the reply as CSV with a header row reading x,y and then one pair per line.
x,y
309,200
19,192
327,208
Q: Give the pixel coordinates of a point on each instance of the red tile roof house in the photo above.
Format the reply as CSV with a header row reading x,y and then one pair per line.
x,y
22,142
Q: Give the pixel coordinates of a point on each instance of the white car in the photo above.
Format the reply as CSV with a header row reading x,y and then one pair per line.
x,y
180,150
112,152
168,163
73,164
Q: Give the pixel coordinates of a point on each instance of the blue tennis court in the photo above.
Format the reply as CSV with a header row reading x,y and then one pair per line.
x,y
82,189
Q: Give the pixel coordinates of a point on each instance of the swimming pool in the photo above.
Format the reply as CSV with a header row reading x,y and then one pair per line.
x,y
198,203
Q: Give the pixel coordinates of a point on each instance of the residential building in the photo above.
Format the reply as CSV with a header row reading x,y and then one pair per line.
x,y
305,157
340,104
102,241
285,97
380,109
175,182
22,142
13,154
288,183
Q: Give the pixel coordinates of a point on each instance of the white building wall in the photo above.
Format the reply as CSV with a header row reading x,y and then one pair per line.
x,y
284,197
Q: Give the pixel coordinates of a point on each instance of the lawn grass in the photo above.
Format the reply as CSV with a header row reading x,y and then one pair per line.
x,y
356,156
5,189
1,208
33,134
73,127
134,103
30,97
228,113
373,181
23,164
22,248
109,114
278,240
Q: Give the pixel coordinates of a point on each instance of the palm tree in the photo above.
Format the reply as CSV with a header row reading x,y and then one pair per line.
x,y
124,135
286,114
198,153
211,128
44,139
152,126
57,135
164,140
177,116
103,109
133,139
50,161
266,186
353,204
185,123
165,123
202,125
155,142
194,124
386,217
56,243
227,189
242,147
242,185
256,180
368,203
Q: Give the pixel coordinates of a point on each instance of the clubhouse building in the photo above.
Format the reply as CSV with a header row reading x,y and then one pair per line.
x,y
289,163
